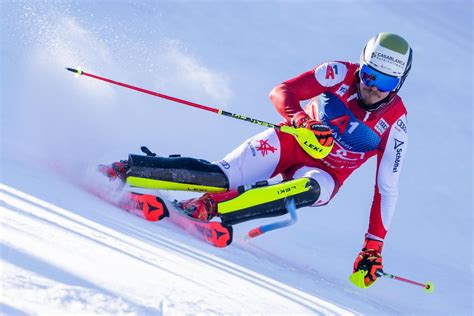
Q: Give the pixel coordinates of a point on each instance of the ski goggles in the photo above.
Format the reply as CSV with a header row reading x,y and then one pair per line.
x,y
373,78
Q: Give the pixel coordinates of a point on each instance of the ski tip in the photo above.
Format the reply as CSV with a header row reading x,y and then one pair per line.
x,y
224,235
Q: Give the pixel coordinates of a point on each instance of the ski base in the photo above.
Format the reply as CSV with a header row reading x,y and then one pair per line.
x,y
155,208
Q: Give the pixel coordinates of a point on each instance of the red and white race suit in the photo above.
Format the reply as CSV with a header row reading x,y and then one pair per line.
x,y
331,89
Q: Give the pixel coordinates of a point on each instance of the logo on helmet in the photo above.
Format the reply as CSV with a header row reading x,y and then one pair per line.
x,y
390,59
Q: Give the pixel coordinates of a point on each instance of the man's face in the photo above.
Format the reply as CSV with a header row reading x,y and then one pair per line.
x,y
370,95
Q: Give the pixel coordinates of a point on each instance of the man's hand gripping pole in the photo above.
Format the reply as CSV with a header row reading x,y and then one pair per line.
x,y
357,278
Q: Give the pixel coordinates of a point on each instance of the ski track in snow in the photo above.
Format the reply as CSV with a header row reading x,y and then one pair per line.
x,y
47,226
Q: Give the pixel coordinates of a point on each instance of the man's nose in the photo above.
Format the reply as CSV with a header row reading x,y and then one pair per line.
x,y
373,89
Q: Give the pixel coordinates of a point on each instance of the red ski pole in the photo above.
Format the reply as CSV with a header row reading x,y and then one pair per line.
x,y
80,72
305,137
428,286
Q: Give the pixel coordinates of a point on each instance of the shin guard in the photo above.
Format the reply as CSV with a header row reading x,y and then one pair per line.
x,y
263,200
175,173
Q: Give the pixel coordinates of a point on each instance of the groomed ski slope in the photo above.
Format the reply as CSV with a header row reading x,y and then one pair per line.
x,y
65,251
95,258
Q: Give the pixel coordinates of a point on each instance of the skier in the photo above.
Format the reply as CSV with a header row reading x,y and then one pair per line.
x,y
355,108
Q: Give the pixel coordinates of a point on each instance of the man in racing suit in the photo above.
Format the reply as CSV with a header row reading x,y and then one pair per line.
x,y
354,106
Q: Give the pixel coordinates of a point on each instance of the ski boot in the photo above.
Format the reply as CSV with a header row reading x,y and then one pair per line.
x,y
204,208
117,170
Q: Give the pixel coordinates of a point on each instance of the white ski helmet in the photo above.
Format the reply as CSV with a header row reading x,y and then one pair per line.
x,y
389,54
385,63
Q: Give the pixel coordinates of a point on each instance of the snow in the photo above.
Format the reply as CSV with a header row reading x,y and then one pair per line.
x,y
65,251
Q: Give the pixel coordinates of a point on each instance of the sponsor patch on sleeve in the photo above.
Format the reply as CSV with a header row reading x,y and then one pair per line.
x,y
401,125
398,155
330,74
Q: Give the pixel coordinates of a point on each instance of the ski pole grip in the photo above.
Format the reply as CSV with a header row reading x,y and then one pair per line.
x,y
308,141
